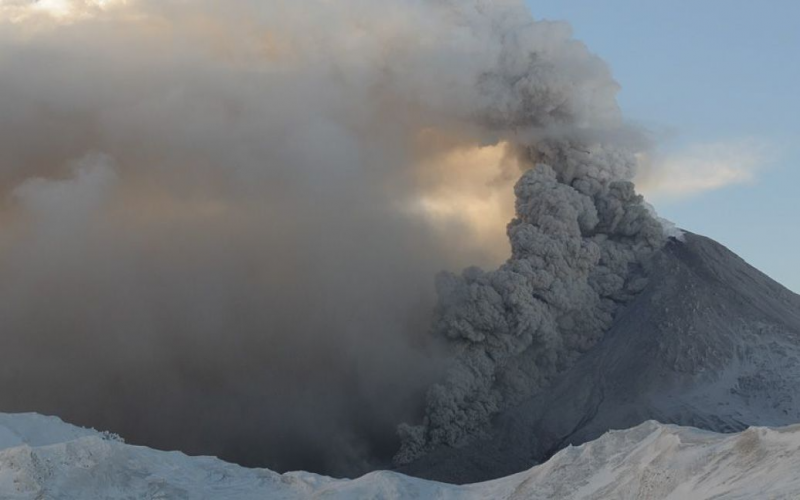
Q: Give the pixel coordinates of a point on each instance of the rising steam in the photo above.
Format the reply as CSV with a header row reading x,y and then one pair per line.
x,y
223,220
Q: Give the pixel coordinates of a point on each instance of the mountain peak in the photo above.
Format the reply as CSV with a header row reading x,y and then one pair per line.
x,y
710,342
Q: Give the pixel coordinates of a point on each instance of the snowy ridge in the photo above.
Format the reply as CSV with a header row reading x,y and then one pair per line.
x,y
44,458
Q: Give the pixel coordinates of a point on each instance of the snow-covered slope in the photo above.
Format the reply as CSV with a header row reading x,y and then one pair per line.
x,y
44,458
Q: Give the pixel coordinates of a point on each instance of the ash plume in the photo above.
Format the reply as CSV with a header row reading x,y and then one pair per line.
x,y
578,247
222,220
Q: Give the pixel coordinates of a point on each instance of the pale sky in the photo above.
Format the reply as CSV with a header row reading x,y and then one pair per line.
x,y
718,84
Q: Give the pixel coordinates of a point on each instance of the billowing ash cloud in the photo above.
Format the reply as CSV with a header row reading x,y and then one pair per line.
x,y
222,220
578,243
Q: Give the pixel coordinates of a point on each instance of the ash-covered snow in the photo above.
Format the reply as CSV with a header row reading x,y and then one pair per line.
x,y
55,461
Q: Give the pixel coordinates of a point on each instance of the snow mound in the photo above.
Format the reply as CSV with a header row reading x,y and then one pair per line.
x,y
37,430
42,457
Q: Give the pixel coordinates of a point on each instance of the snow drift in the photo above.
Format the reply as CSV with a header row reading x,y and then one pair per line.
x,y
41,457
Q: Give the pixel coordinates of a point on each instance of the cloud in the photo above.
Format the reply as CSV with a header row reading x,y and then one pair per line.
x,y
703,167
247,268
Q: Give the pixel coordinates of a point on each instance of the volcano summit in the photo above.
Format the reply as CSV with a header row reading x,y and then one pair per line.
x,y
710,342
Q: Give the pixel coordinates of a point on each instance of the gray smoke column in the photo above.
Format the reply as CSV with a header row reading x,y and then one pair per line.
x,y
222,220
578,243
579,240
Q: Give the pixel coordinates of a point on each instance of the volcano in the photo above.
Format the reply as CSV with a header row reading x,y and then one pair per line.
x,y
711,342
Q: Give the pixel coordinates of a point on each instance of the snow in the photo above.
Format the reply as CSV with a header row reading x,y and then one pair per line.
x,y
44,458
37,430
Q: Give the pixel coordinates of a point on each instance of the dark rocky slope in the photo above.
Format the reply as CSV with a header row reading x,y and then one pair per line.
x,y
711,342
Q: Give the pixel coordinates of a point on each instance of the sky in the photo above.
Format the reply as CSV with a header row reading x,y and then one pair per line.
x,y
716,84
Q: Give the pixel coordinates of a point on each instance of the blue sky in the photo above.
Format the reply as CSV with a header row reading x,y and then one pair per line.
x,y
717,82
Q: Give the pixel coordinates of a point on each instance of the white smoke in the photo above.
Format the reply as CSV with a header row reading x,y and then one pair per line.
x,y
248,238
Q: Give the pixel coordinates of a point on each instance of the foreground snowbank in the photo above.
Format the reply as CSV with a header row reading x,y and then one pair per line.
x,y
43,457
